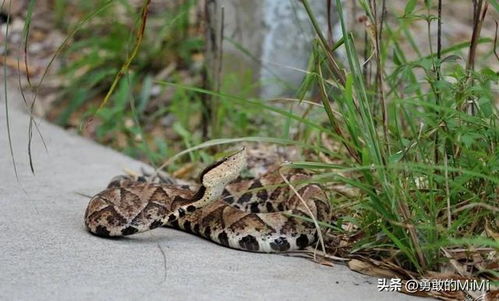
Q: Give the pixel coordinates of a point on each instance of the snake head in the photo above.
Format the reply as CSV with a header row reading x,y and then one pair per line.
x,y
224,171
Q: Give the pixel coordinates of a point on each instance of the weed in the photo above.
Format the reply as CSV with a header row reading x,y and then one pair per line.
x,y
423,160
418,130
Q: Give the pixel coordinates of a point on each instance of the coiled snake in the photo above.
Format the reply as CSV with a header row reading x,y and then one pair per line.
x,y
260,215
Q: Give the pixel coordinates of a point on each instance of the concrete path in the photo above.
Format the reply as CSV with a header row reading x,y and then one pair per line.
x,y
47,254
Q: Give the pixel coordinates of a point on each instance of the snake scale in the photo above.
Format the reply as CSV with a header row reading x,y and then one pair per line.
x,y
259,215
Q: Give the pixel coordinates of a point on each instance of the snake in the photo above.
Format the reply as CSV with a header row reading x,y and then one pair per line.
x,y
267,214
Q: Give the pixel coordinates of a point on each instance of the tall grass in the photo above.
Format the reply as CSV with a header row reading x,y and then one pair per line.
x,y
426,166
418,136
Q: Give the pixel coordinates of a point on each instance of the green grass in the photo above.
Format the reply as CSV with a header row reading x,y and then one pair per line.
x,y
107,56
425,164
427,169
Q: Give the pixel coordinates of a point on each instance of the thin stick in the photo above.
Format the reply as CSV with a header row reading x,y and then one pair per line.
x,y
473,205
329,22
495,42
378,28
447,192
125,67
439,48
478,17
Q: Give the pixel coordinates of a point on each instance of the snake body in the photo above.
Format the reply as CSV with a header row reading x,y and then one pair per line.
x,y
259,215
